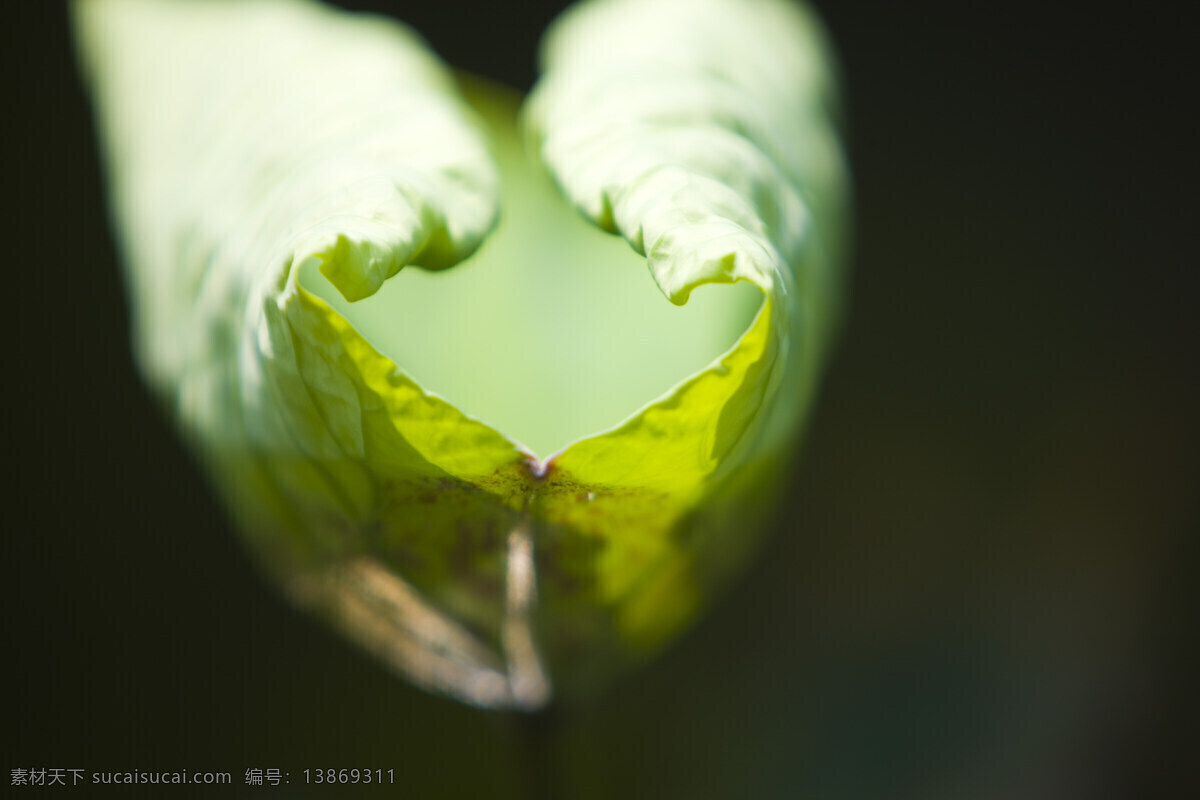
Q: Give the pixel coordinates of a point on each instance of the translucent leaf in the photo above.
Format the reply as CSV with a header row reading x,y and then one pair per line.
x,y
518,469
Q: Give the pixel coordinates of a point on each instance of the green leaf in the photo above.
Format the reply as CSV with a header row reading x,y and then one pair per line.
x,y
518,469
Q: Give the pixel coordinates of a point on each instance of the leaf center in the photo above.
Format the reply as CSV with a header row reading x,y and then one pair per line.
x,y
554,330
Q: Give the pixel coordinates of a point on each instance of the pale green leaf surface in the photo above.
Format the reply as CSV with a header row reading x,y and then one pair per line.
x,y
518,475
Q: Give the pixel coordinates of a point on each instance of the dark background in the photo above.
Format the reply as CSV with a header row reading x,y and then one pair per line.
x,y
981,585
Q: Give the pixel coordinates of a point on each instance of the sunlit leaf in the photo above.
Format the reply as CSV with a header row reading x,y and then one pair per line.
x,y
450,410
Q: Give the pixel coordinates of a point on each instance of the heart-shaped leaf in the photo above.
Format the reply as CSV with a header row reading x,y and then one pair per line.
x,y
525,473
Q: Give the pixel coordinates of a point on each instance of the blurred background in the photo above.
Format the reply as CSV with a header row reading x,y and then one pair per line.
x,y
982,583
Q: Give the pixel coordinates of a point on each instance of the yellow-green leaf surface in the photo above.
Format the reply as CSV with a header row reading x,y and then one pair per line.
x,y
508,451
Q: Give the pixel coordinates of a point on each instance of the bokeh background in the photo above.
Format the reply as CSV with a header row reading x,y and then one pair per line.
x,y
981,585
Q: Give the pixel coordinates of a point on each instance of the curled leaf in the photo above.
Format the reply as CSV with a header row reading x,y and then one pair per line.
x,y
517,469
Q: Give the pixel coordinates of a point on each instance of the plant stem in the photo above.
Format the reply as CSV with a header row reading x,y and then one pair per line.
x,y
541,767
